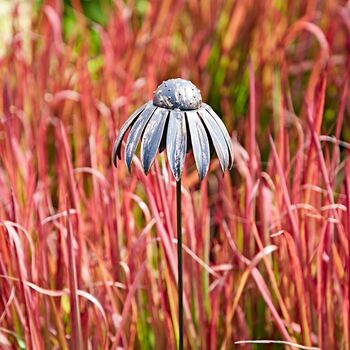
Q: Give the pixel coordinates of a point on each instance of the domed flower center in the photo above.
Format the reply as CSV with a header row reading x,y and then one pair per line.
x,y
177,94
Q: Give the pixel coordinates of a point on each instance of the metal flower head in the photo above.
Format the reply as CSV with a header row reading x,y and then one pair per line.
x,y
179,121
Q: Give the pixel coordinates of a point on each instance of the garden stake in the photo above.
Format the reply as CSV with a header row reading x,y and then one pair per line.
x,y
179,262
178,120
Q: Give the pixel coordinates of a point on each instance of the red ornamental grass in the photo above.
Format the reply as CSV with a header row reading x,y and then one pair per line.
x,y
265,248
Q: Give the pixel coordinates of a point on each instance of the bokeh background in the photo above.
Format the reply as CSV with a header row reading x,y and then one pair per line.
x,y
87,251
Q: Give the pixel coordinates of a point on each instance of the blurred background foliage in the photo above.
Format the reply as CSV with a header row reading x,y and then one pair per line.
x,y
72,71
216,40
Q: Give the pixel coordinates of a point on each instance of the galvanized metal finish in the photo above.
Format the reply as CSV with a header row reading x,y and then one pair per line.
x,y
224,131
136,132
200,143
176,142
178,120
177,94
152,137
217,138
123,130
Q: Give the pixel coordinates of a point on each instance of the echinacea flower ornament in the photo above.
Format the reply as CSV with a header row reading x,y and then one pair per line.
x,y
178,120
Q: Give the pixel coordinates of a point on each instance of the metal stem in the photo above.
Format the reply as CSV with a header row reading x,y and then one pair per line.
x,y
179,262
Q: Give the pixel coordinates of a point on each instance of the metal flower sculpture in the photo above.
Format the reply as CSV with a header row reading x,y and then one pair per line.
x,y
178,120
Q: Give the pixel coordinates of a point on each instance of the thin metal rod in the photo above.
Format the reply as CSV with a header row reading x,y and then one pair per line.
x,y
179,262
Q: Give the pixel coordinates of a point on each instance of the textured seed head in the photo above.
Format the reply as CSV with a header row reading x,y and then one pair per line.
x,y
181,94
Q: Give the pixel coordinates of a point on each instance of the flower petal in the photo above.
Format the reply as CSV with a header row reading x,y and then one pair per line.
x,y
217,138
136,132
152,136
224,131
176,142
123,130
200,143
